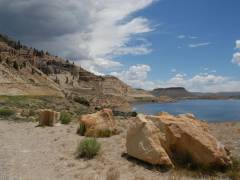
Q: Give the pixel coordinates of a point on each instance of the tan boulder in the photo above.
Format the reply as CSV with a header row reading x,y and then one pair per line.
x,y
143,142
99,124
48,117
196,145
164,119
184,135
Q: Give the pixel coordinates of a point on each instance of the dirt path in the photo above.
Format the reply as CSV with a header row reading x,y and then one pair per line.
x,y
35,153
28,152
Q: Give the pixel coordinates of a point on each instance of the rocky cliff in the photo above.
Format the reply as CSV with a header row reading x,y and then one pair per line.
x,y
27,71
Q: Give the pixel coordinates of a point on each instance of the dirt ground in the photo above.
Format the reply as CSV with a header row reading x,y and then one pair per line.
x,y
35,153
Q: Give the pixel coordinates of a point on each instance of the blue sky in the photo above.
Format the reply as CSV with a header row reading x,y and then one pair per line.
x,y
201,21
145,43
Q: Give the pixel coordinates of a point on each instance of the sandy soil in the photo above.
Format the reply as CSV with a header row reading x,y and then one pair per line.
x,y
34,153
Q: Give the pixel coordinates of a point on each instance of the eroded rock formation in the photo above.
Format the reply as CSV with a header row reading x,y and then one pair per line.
x,y
183,138
143,142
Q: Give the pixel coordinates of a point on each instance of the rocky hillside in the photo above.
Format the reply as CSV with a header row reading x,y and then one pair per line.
x,y
28,71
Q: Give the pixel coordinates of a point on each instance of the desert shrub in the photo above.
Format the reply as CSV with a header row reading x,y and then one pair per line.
x,y
234,171
104,133
32,112
134,114
65,118
81,100
4,112
88,148
80,111
81,129
124,114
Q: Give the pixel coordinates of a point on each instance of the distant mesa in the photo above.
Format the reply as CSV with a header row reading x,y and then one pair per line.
x,y
173,92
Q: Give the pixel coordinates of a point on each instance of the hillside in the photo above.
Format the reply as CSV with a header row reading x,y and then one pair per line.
x,y
181,93
27,71
173,92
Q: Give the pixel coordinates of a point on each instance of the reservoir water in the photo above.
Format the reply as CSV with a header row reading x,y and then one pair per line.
x,y
209,110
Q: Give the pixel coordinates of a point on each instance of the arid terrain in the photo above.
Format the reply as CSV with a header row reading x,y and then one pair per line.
x,y
48,153
36,87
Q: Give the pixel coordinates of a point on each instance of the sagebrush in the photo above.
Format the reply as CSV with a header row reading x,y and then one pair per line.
x,y
88,148
65,118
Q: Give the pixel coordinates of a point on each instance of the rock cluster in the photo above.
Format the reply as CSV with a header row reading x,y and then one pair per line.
x,y
99,124
166,140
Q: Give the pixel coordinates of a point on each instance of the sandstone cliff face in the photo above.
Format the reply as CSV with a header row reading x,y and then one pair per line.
x,y
27,71
19,77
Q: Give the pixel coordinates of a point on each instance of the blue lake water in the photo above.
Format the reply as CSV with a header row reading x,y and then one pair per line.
x,y
209,110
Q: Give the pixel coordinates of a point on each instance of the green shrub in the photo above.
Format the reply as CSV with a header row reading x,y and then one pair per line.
x,y
134,114
81,100
104,133
81,129
65,118
4,112
88,148
32,112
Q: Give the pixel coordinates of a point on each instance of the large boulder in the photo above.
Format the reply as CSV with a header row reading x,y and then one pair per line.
x,y
99,124
166,138
191,143
144,142
48,117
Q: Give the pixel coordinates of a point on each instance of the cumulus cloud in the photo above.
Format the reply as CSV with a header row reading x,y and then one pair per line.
x,y
89,30
236,58
137,76
199,44
203,82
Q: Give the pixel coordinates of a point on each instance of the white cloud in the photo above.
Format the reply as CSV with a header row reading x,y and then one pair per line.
x,y
90,30
238,44
193,37
137,76
181,36
99,65
202,82
236,58
199,44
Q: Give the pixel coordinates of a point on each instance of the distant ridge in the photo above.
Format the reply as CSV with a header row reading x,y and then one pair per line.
x,y
173,92
182,93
